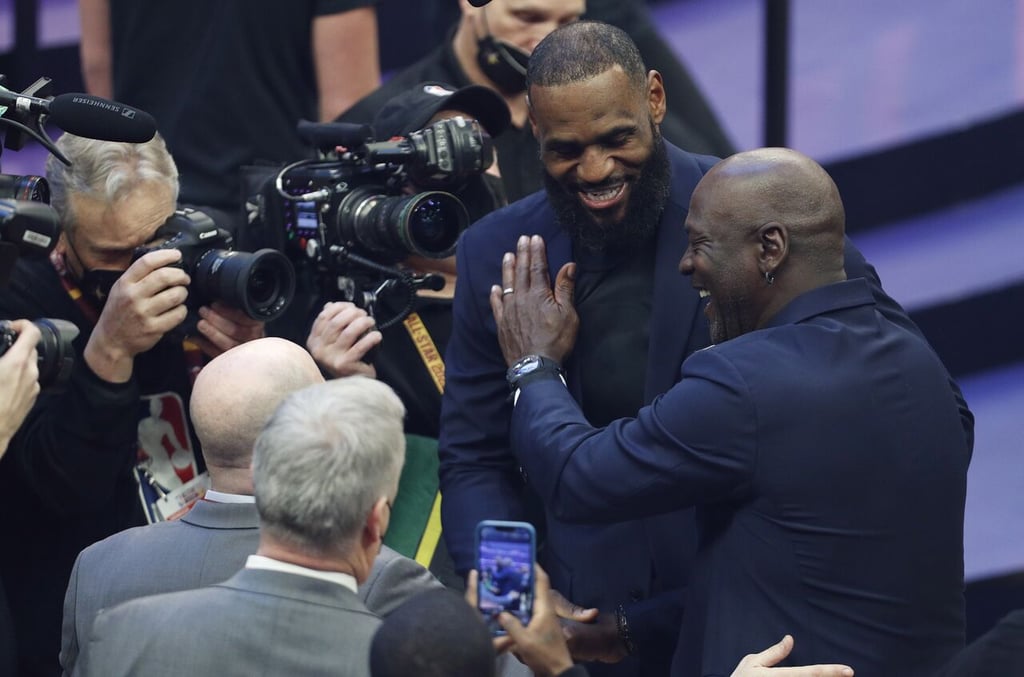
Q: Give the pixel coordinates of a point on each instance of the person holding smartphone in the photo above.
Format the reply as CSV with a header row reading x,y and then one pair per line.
x,y
542,647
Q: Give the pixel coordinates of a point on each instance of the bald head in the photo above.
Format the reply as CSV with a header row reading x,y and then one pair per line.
x,y
787,187
235,394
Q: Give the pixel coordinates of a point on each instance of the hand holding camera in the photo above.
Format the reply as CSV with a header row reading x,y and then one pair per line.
x,y
19,379
223,327
145,303
341,337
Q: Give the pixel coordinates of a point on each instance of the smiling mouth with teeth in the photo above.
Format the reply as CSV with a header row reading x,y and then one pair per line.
x,y
704,293
602,195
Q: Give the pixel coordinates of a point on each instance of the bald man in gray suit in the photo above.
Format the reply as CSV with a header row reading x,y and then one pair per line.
x,y
233,397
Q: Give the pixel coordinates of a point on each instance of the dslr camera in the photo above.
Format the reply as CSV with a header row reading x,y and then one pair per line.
x,y
261,284
56,354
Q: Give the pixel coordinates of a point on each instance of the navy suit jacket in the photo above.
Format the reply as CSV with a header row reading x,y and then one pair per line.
x,y
827,458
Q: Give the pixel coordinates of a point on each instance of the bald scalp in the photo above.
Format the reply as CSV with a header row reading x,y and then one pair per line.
x,y
236,393
785,186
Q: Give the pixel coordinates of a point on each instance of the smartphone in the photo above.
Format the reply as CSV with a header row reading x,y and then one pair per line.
x,y
505,553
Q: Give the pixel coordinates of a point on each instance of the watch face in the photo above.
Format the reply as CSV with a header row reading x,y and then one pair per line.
x,y
527,366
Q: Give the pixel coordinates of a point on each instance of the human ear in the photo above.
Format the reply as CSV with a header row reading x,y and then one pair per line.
x,y
656,96
773,243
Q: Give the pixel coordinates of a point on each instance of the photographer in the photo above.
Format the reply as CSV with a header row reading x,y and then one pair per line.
x,y
342,334
409,356
74,473
19,384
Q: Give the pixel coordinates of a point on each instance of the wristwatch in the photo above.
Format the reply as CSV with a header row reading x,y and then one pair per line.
x,y
529,365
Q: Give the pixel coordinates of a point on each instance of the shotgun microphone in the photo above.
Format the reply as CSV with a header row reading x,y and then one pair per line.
x,y
85,115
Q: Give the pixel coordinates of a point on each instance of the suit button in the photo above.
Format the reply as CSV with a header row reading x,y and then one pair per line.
x,y
522,473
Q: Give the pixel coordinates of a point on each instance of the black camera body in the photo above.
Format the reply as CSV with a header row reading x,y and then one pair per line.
x,y
55,350
261,284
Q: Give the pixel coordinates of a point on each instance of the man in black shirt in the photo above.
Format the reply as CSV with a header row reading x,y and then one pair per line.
x,y
490,47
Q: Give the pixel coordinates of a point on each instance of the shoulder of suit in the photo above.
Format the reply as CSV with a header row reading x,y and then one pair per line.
x,y
129,541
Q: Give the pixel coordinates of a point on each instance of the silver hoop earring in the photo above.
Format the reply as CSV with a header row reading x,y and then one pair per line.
x,y
769,279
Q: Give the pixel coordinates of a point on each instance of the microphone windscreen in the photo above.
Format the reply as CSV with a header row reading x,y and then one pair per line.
x,y
97,118
327,134
478,3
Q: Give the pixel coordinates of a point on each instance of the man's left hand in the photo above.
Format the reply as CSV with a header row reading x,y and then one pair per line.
x,y
533,318
223,327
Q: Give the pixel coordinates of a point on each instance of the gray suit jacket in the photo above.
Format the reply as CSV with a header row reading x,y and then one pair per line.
x,y
207,545
258,622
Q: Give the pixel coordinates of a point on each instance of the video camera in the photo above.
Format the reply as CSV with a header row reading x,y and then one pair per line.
x,y
261,284
351,215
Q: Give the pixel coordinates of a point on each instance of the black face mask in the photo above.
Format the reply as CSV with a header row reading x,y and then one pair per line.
x,y
503,64
96,284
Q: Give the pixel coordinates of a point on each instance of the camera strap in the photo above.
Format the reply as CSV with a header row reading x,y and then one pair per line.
x,y
432,360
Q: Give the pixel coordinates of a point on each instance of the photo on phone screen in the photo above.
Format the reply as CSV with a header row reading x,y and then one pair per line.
x,y
505,553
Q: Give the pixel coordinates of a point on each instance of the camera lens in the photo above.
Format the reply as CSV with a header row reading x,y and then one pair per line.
x,y
427,224
432,222
261,284
27,187
56,354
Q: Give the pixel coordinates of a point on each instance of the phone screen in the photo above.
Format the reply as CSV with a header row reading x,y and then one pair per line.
x,y
505,554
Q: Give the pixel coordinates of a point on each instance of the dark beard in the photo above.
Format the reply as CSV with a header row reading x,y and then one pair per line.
x,y
643,213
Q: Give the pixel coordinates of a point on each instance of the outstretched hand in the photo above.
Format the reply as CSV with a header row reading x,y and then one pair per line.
x,y
760,664
532,317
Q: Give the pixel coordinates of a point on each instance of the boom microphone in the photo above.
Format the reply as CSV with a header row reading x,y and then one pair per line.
x,y
478,3
89,116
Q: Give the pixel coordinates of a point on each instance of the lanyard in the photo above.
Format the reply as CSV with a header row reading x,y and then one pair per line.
x,y
435,367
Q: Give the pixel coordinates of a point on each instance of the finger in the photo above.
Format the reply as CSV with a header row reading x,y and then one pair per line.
x,y
154,260
539,276
367,342
566,609
471,580
512,626
502,644
354,325
497,308
831,670
242,328
508,268
169,298
521,274
565,285
28,339
218,320
221,339
775,653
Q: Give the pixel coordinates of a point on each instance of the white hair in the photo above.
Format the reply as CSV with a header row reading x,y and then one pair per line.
x,y
328,453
